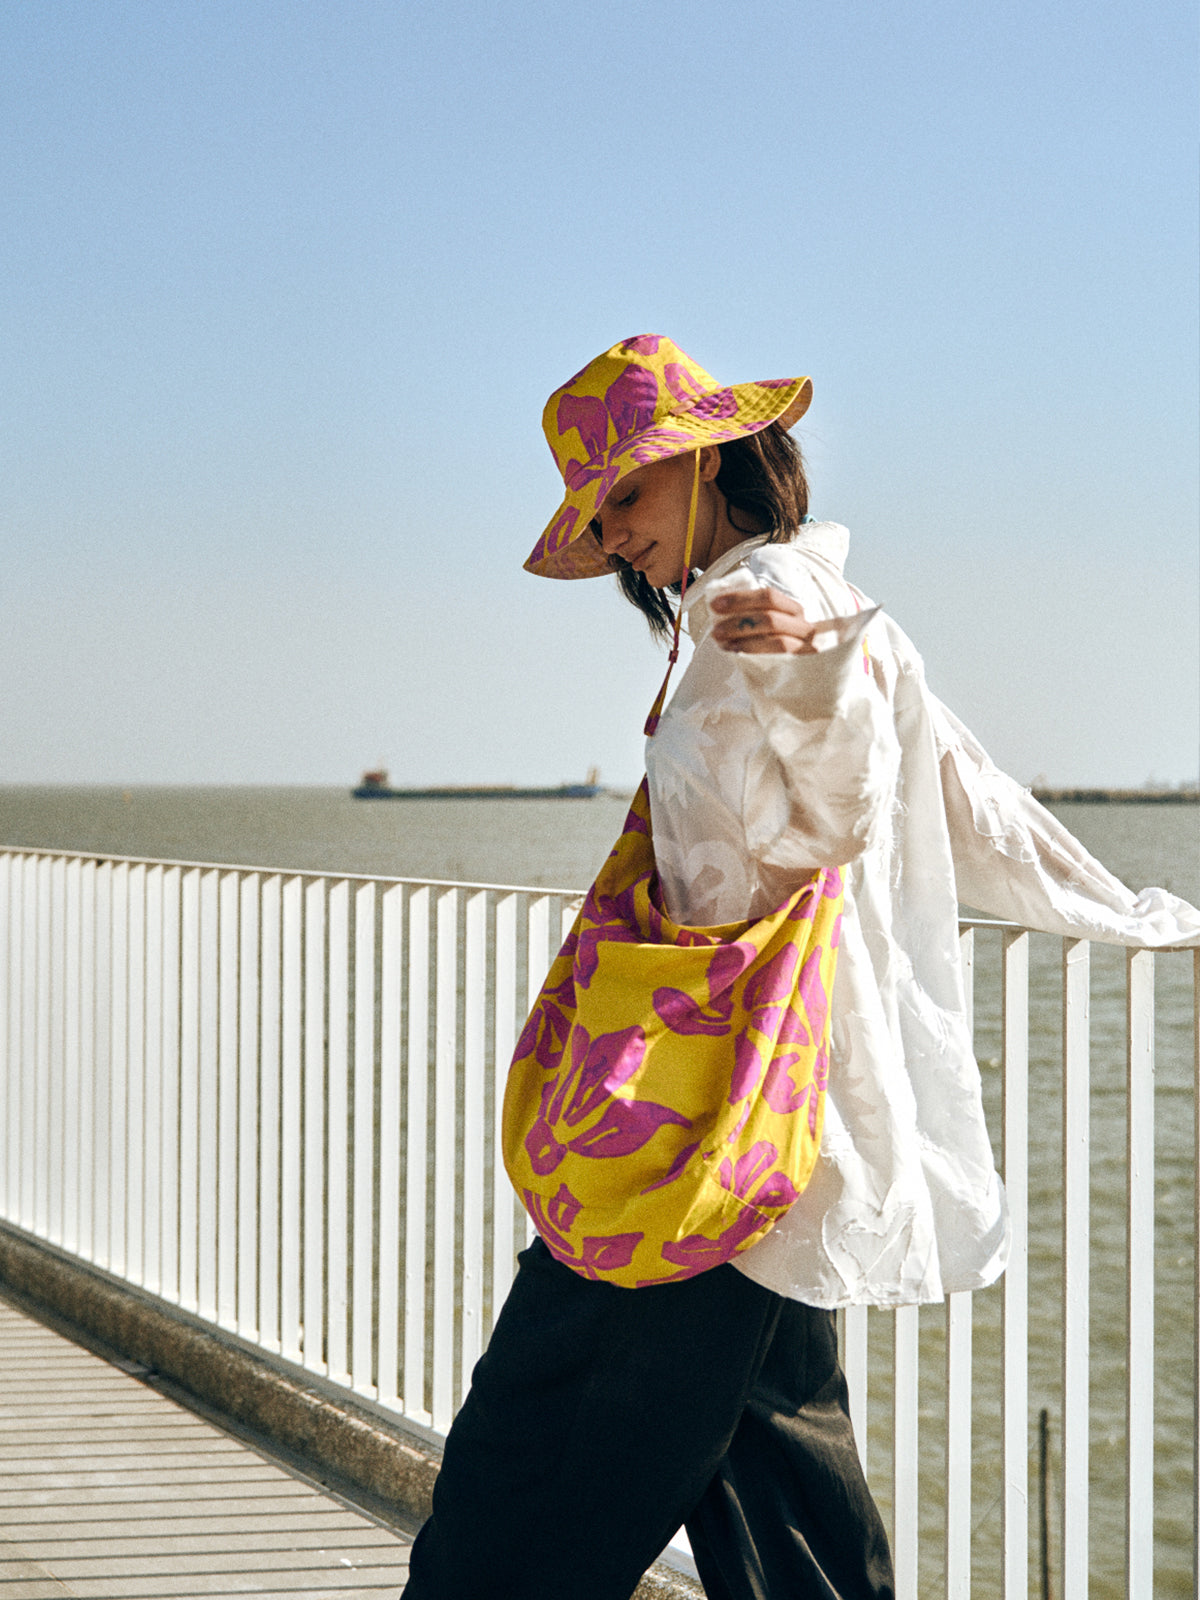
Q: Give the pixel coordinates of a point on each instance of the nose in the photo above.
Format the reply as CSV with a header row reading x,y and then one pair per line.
x,y
612,535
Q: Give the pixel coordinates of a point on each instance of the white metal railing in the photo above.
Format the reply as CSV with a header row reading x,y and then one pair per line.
x,y
272,1099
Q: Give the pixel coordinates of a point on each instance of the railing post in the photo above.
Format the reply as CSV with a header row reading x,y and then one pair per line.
x,y
413,1388
338,1135
474,1186
209,1096
291,1119
270,1103
959,1314
1196,1272
1015,1317
228,1067
391,1200
363,1156
313,1237
504,1029
1139,1354
445,1154
906,1456
1076,1204
167,1222
253,1140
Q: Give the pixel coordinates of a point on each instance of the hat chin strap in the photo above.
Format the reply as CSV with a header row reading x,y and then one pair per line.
x,y
652,720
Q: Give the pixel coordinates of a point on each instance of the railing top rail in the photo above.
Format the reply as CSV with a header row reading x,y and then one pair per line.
x,y
982,923
283,872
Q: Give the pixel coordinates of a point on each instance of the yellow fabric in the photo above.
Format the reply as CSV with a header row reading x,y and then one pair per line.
x,y
664,1104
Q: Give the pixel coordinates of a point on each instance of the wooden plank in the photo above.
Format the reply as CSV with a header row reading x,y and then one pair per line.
x,y
115,1506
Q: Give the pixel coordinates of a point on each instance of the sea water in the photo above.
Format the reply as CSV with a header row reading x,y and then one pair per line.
x,y
561,843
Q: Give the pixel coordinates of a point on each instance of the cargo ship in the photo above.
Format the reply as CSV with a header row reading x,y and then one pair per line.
x,y
375,786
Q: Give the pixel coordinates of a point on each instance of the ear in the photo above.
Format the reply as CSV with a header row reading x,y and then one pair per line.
x,y
710,462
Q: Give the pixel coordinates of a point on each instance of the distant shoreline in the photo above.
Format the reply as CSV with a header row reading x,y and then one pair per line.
x,y
1118,797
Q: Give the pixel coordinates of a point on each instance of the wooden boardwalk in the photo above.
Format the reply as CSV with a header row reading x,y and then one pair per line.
x,y
108,1488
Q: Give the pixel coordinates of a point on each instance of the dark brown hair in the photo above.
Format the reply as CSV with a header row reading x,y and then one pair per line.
x,y
763,480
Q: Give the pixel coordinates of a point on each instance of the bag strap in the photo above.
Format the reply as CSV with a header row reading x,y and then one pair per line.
x,y
660,699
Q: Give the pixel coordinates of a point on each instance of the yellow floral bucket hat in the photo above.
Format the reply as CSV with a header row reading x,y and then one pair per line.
x,y
641,401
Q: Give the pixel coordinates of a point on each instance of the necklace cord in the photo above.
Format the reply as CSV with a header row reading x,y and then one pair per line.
x,y
656,709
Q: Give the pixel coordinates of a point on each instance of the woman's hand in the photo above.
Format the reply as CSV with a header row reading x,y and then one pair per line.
x,y
766,622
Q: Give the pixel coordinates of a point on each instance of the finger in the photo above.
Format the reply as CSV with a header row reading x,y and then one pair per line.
x,y
749,600
768,644
788,623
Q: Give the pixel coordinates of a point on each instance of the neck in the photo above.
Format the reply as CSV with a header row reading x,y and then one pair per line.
x,y
725,535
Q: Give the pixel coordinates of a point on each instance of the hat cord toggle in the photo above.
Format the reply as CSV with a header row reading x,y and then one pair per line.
x,y
652,720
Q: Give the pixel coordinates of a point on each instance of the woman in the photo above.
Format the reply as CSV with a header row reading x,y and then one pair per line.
x,y
801,736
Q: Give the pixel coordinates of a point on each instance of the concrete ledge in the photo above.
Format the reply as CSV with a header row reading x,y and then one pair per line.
x,y
333,1439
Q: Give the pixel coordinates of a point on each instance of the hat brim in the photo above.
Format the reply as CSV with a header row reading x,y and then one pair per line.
x,y
564,549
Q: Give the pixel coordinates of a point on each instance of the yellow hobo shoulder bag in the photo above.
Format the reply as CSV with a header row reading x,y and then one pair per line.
x,y
665,1101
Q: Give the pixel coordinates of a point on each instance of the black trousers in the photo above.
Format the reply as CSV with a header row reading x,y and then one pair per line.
x,y
600,1418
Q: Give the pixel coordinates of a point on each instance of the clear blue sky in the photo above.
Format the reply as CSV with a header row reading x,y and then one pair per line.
x,y
286,285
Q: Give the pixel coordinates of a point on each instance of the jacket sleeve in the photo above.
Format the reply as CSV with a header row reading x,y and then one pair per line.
x,y
825,772
1013,859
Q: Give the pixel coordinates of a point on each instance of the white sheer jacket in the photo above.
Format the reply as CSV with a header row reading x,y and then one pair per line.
x,y
766,766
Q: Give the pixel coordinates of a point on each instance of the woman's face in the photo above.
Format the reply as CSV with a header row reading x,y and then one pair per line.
x,y
644,519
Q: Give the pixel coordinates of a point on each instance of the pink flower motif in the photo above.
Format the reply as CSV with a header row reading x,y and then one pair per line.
x,y
777,1188
631,399
609,1253
779,1089
820,1079
728,963
578,474
543,1036
810,991
771,985
646,344
589,418
607,478
806,905
599,1067
675,1170
721,404
680,381
747,1068
684,1014
563,1209
697,1253
775,1192
560,533
740,1177
832,884
598,1253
